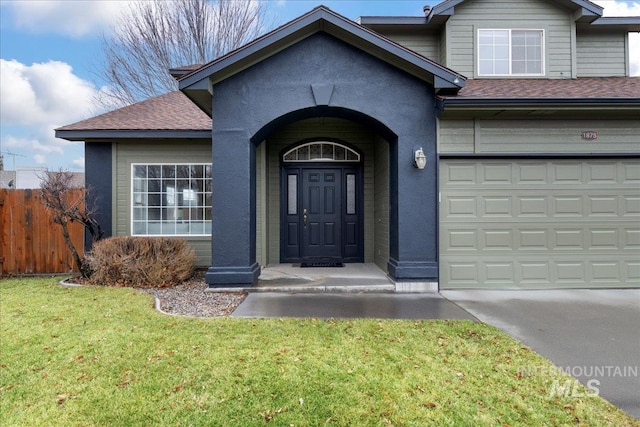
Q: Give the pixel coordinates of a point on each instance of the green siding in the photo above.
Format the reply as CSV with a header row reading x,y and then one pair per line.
x,y
493,14
601,55
130,152
261,218
424,43
569,52
444,53
456,136
538,136
344,130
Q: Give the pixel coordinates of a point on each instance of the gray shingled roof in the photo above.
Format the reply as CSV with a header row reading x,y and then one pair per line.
x,y
172,111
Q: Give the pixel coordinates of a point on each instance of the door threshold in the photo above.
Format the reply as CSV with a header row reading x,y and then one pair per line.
x,y
308,264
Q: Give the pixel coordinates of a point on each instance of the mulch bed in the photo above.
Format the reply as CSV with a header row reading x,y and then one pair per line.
x,y
190,299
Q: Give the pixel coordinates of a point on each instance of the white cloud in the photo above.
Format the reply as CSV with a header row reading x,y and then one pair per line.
x,y
39,159
31,144
634,59
73,18
619,8
42,93
40,147
79,163
35,100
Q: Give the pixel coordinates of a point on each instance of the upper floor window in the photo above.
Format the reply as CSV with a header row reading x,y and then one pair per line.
x,y
510,52
171,199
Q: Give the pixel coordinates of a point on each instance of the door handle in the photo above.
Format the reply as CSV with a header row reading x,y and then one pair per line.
x,y
304,217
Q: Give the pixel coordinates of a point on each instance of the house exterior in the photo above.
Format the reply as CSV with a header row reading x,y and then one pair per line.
x,y
486,144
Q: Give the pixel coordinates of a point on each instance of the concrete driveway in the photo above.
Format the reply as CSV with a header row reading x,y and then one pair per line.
x,y
592,334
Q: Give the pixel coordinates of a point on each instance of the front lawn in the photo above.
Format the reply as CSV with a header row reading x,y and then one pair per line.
x,y
104,357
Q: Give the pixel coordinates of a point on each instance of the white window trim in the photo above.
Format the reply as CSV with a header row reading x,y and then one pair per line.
x,y
510,74
333,144
132,205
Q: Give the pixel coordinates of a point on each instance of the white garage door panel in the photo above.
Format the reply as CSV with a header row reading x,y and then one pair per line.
x,y
540,224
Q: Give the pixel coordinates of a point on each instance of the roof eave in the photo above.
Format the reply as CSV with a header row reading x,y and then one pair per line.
x,y
393,20
540,102
385,23
585,11
588,8
97,134
540,109
620,23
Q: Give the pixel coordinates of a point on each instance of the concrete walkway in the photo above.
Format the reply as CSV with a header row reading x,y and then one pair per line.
x,y
592,334
350,305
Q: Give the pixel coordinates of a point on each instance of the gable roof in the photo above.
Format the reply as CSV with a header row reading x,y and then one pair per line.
x,y
584,8
584,12
171,115
197,85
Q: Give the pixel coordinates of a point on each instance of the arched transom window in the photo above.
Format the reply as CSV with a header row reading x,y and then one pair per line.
x,y
321,151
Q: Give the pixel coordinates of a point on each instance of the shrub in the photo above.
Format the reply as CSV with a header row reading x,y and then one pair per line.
x,y
141,262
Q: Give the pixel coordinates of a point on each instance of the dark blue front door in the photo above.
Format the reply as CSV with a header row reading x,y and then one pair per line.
x,y
321,215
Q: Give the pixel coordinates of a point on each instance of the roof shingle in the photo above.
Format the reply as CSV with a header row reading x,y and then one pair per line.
x,y
171,111
581,88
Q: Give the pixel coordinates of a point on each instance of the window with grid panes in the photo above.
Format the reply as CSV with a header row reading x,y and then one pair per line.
x,y
505,52
171,199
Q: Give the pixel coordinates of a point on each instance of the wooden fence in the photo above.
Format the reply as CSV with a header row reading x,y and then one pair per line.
x,y
31,242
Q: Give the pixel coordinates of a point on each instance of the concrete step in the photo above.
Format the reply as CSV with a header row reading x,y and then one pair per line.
x,y
353,278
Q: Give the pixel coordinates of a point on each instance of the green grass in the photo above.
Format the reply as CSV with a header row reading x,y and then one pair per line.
x,y
104,357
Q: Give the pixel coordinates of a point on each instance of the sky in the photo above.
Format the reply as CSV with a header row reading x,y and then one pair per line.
x,y
48,50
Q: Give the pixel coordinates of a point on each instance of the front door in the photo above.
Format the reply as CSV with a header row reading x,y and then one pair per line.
x,y
321,215
322,209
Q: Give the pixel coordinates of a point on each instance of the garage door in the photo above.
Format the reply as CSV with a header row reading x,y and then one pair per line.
x,y
539,223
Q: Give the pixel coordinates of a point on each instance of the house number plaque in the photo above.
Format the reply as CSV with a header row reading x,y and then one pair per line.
x,y
589,135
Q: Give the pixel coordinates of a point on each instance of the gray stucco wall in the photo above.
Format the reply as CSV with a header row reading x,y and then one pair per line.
x,y
98,173
252,104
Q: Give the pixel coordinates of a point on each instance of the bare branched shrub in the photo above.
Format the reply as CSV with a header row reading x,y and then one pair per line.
x,y
141,262
58,189
156,35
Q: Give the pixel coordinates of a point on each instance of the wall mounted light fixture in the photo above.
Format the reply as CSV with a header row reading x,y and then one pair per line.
x,y
419,159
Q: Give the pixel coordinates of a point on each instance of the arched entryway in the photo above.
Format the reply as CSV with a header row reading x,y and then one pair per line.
x,y
352,144
337,81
